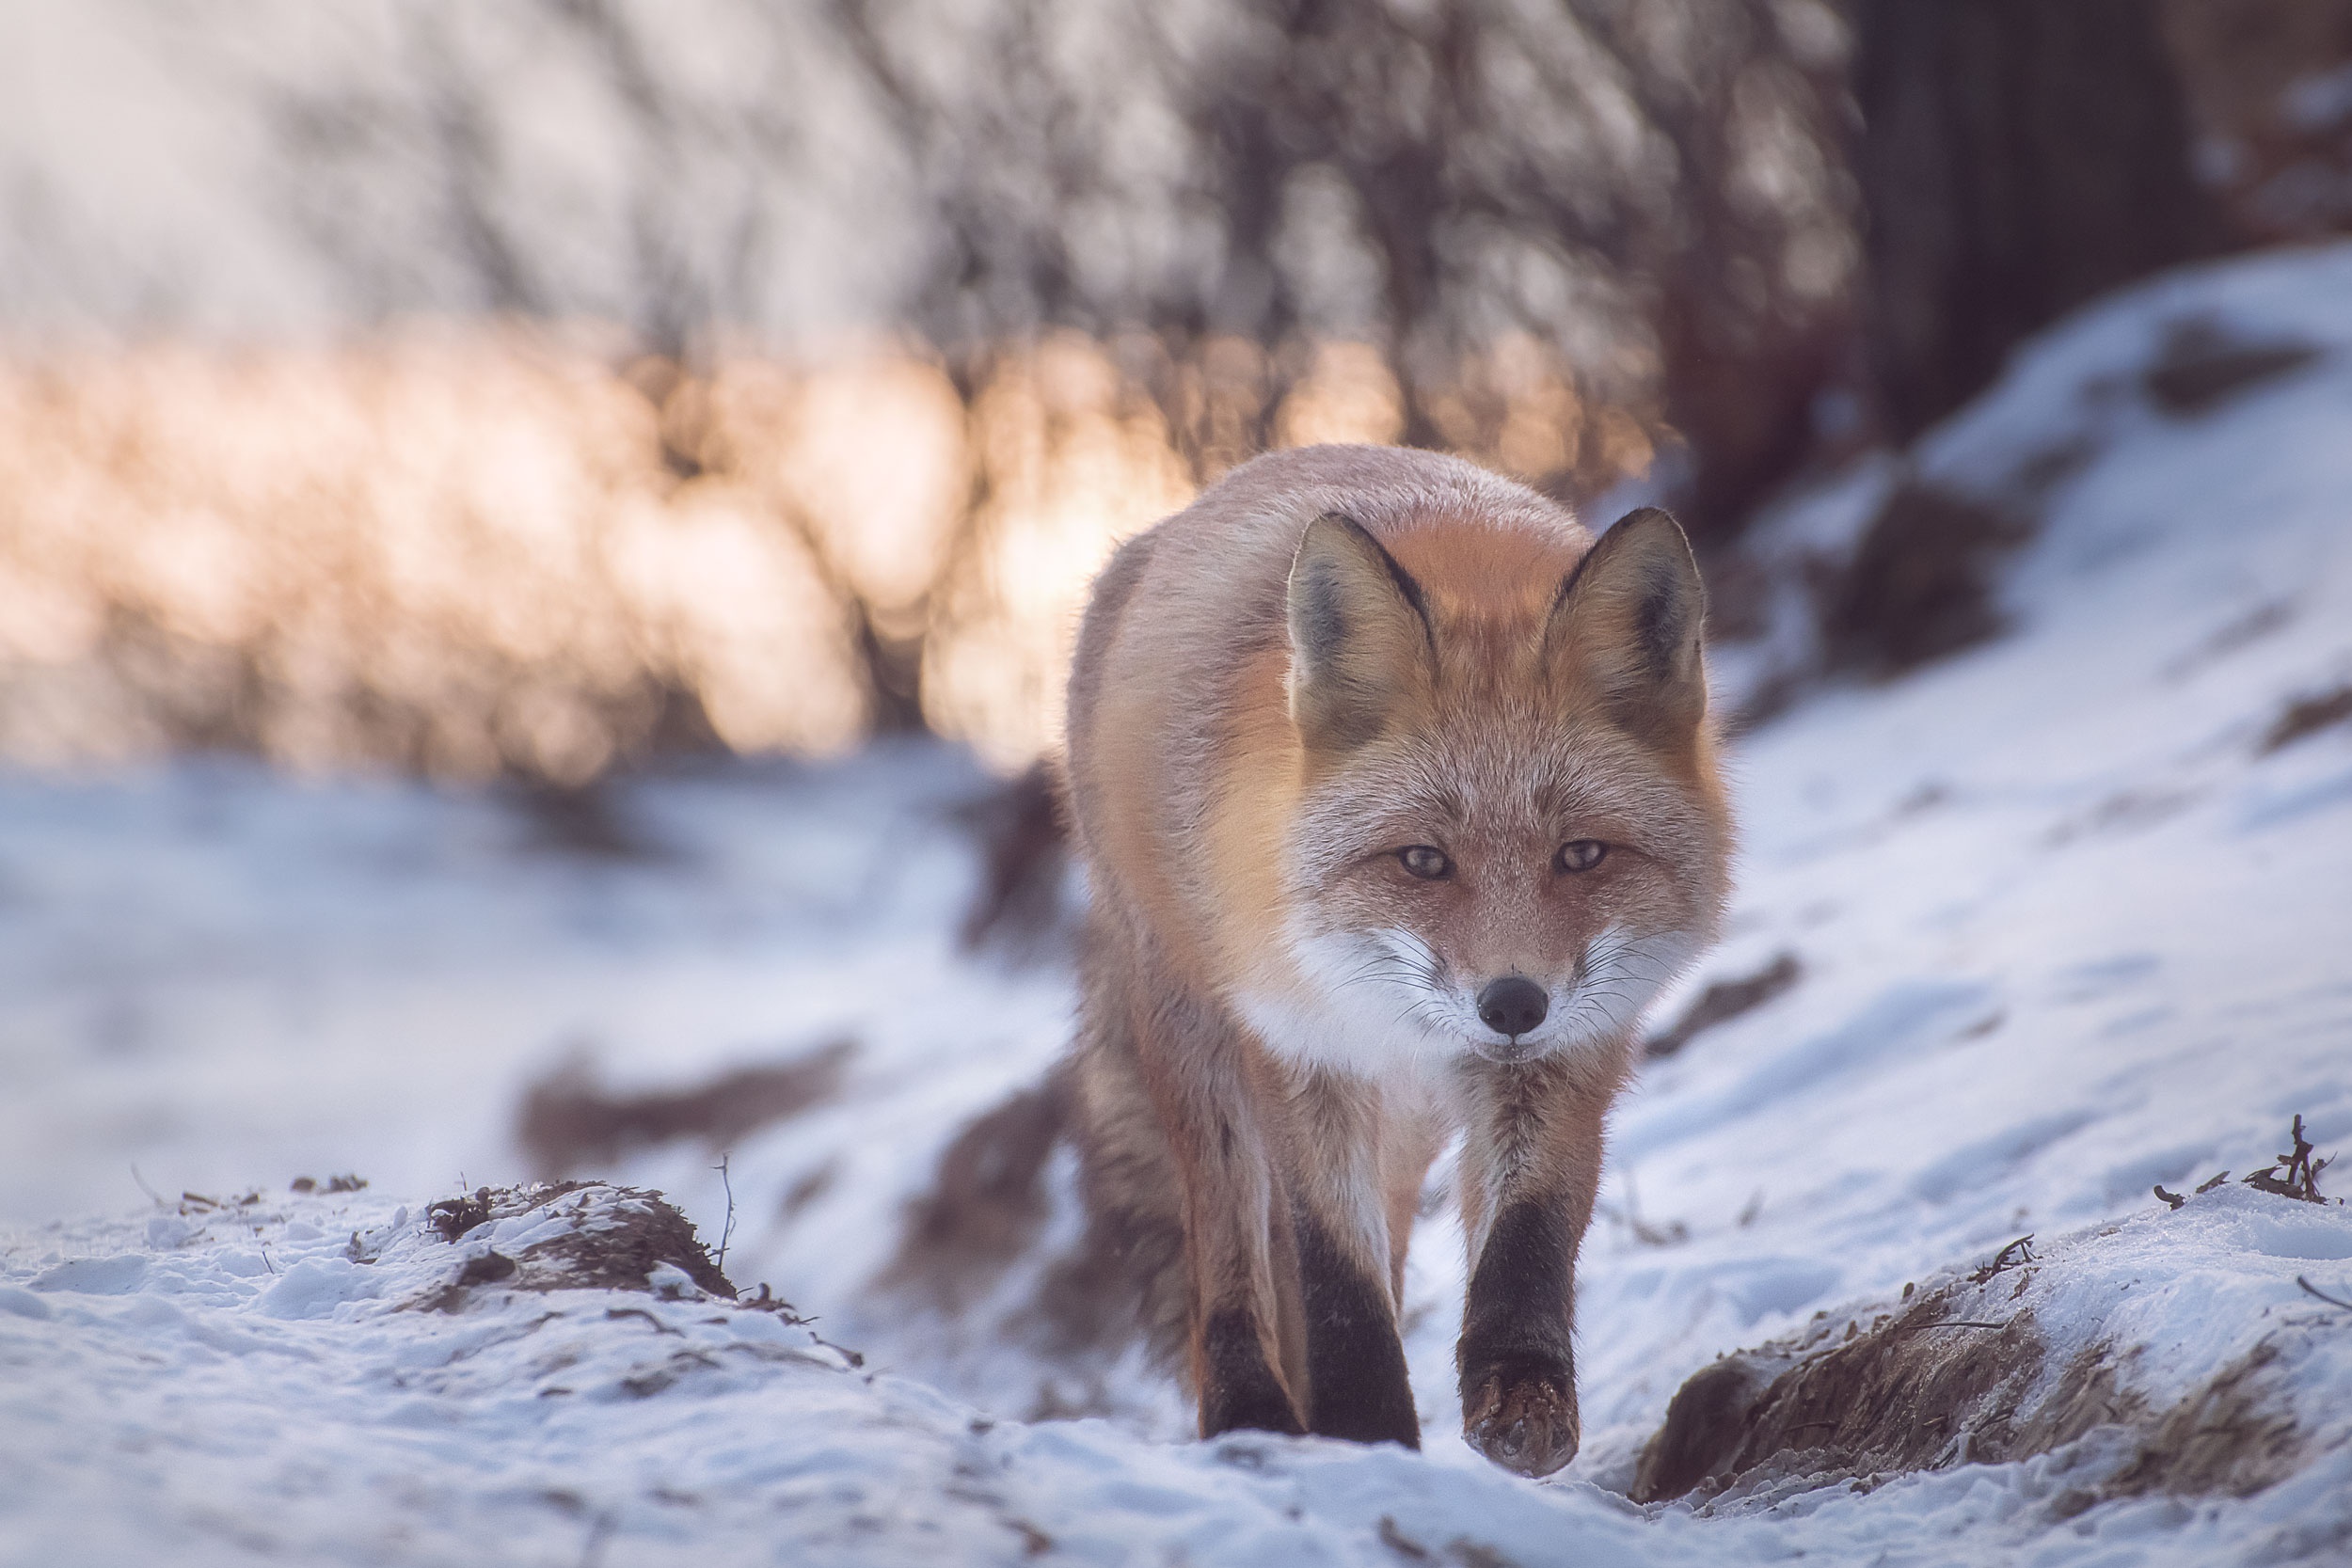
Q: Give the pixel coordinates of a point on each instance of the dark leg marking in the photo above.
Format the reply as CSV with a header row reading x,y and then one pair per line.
x,y
1518,1296
1355,1363
1517,1360
1237,1388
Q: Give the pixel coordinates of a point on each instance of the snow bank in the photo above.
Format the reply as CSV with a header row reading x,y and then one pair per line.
x,y
308,1379
2031,1354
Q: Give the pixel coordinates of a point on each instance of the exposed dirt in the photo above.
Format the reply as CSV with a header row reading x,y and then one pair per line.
x,y
1024,848
1724,1001
569,1122
2227,1438
1921,583
981,1215
583,821
1930,1385
2202,366
2308,716
986,1201
1914,1390
619,1236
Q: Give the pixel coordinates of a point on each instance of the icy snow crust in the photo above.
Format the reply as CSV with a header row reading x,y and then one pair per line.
x,y
2067,930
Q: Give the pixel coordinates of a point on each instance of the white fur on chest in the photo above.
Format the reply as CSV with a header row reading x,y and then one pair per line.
x,y
1357,1006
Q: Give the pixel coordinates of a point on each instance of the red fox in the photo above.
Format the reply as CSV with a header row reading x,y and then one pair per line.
x,y
1398,803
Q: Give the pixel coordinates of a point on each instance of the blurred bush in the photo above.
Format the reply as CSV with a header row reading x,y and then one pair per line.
x,y
2269,83
527,390
458,553
474,552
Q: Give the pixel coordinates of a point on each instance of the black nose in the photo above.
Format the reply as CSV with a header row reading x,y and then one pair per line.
x,y
1512,1006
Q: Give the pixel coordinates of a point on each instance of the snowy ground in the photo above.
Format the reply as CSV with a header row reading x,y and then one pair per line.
x,y
2069,921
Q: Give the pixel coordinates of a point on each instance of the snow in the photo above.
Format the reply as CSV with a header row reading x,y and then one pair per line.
x,y
313,1412
2067,929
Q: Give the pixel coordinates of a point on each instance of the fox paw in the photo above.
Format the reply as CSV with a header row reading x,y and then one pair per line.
x,y
1258,1409
1524,1420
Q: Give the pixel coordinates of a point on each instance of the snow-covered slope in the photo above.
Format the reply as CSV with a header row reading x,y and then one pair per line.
x,y
2070,926
2067,912
276,1380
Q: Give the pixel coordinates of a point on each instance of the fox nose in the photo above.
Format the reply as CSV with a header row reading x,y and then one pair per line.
x,y
1512,1006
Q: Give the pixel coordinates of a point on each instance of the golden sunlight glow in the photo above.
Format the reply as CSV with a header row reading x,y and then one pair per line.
x,y
1072,461
1348,395
473,550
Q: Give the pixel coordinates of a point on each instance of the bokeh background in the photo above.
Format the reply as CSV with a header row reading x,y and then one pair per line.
x,y
469,476
539,542
536,391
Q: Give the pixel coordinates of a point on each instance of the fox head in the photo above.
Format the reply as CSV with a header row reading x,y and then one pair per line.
x,y
1511,833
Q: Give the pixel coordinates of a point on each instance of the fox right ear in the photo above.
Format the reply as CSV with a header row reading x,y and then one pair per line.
x,y
1360,635
1629,622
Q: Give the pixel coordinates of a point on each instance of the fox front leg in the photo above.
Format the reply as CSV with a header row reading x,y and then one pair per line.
x,y
1530,1168
1239,1389
1206,1109
1356,1382
1518,1370
1236,1347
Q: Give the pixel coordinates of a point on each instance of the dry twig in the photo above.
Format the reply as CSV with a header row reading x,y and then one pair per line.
x,y
2309,1289
727,1234
2294,1174
2016,1254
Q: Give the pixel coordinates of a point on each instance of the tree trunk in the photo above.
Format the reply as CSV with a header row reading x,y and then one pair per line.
x,y
2017,158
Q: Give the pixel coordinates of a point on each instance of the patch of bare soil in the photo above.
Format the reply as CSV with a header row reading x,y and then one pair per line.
x,y
1018,909
586,820
1920,587
614,1237
986,1201
2202,364
979,1224
1724,1001
1956,1375
568,1122
2308,716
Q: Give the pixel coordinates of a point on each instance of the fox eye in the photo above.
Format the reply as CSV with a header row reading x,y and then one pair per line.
x,y
1580,854
1425,861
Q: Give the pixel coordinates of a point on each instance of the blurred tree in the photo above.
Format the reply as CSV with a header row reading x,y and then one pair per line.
x,y
549,159
1654,190
2270,85
2017,158
1147,241
1636,208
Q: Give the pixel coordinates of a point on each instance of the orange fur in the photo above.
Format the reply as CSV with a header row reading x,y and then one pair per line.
x,y
1335,656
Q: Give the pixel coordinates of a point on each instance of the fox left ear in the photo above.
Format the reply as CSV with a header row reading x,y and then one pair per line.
x,y
1629,620
1360,638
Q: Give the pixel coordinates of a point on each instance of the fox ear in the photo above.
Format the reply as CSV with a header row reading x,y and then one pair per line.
x,y
1628,623
1360,638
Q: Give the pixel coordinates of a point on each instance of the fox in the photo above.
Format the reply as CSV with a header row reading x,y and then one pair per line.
x,y
1398,803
